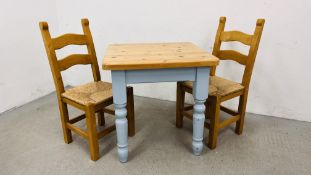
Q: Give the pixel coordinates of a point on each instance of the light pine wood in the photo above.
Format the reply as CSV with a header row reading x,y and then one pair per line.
x,y
156,56
217,43
229,111
76,119
214,122
101,118
241,110
77,130
225,89
236,36
91,49
233,55
109,111
180,95
97,105
65,120
130,109
68,39
91,131
72,60
105,132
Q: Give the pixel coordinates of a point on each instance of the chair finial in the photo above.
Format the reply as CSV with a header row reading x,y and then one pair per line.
x,y
222,19
260,22
43,25
85,21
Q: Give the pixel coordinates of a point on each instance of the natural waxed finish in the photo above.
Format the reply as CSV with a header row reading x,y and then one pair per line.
x,y
156,56
91,98
219,86
93,92
160,62
225,89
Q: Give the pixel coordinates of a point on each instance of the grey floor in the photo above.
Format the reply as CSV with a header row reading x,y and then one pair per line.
x,y
31,142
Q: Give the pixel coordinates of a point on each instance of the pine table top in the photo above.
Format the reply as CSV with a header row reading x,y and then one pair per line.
x,y
156,56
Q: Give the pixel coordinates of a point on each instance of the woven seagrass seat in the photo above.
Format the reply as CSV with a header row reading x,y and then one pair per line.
x,y
219,86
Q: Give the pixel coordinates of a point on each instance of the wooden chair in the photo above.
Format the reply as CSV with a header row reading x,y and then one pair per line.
x,y
92,97
221,89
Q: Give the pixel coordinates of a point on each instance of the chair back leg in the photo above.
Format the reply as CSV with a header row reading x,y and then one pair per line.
x,y
101,118
130,112
208,109
180,101
64,116
214,122
241,110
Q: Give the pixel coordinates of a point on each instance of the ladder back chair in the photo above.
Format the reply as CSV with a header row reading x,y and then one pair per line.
x,y
92,97
221,89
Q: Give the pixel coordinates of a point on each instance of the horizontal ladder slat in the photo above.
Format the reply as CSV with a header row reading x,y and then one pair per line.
x,y
74,59
187,108
232,95
76,119
229,121
77,130
236,36
68,39
188,115
229,111
109,111
232,55
206,125
77,105
106,131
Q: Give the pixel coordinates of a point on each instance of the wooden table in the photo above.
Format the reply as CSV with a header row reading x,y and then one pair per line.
x,y
158,62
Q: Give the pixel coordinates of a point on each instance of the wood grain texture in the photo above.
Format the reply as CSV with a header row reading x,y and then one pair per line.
x,y
91,98
72,60
156,56
68,39
214,122
101,118
217,43
130,111
91,49
236,36
180,100
226,89
232,55
92,131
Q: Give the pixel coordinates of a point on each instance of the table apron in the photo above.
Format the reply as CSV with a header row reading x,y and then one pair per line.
x,y
160,75
120,78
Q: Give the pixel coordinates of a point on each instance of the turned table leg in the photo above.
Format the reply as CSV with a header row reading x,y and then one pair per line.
x,y
119,100
200,93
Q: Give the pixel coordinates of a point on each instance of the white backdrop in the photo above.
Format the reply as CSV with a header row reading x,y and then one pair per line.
x,y
280,83
24,70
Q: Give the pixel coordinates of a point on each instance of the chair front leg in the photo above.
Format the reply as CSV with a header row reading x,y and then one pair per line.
x,y
242,108
214,122
64,116
180,101
92,132
130,112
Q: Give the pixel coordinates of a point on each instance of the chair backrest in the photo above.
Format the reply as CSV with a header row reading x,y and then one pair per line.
x,y
250,40
58,65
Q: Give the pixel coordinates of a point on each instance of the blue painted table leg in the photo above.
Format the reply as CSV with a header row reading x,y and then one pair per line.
x,y
200,93
119,100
